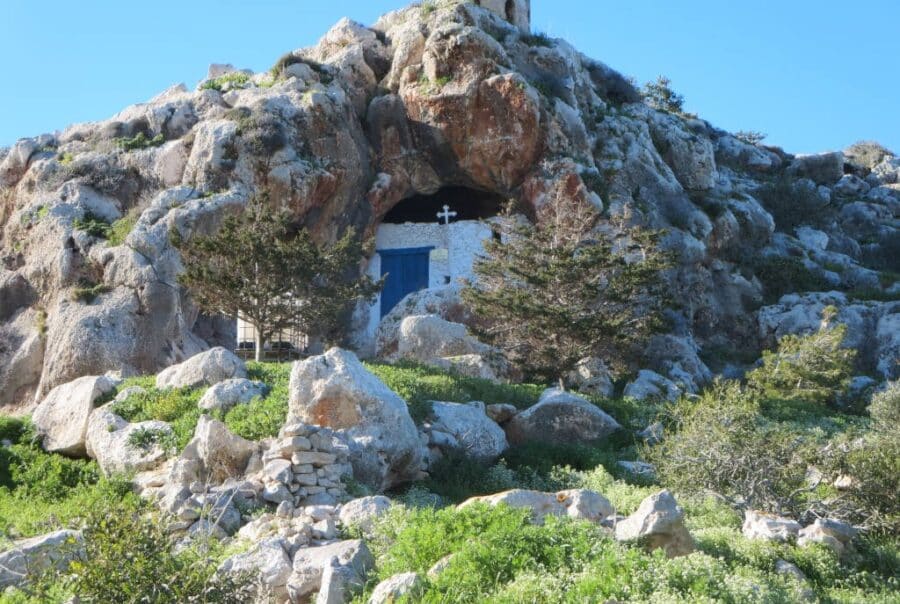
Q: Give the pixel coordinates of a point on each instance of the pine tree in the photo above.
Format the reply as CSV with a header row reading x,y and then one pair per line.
x,y
559,291
274,276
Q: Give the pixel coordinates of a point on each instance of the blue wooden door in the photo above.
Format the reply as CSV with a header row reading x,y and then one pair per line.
x,y
405,272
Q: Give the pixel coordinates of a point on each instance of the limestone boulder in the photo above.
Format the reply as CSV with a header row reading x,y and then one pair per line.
x,y
579,504
560,417
362,513
268,563
215,453
424,338
650,385
591,376
444,302
30,557
396,588
689,153
61,419
310,564
759,525
336,391
230,393
470,430
204,369
122,447
836,535
659,523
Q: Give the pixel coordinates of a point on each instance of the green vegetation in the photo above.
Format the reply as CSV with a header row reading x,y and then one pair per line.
x,y
782,275
178,406
433,86
537,39
793,205
93,225
557,292
235,79
751,137
121,228
662,97
87,292
139,141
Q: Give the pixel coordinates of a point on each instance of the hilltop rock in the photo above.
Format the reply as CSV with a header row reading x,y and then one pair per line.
x,y
560,417
336,391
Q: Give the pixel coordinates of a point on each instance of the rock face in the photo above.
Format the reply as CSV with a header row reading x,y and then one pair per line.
x,y
579,504
62,417
560,417
205,369
659,521
335,390
29,557
430,96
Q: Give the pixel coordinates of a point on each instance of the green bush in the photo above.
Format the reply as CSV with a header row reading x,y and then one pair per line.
x,y
721,443
139,141
813,369
235,79
87,292
885,407
263,418
121,228
537,40
128,558
93,225
782,275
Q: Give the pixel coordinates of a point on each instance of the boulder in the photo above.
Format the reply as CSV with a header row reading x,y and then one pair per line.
x,y
649,385
267,562
204,369
445,302
472,431
560,417
122,447
30,557
822,169
397,588
759,525
659,523
336,391
220,454
837,535
225,395
591,376
362,513
310,564
501,412
579,504
61,419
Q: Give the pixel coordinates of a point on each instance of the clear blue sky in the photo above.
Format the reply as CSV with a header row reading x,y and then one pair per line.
x,y
813,74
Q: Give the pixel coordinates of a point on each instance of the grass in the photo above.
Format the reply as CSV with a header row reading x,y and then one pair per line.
x,y
139,141
235,79
87,292
119,230
93,225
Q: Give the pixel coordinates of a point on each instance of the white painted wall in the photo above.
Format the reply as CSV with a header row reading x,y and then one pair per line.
x,y
455,248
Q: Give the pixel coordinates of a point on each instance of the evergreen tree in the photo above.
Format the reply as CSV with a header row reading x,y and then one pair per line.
x,y
661,96
274,276
559,291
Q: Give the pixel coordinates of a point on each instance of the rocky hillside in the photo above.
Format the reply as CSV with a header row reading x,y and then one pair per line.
x,y
443,94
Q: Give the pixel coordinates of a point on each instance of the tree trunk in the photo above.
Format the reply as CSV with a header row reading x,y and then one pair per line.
x,y
259,343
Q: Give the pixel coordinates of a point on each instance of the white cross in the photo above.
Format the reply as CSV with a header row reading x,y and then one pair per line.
x,y
446,215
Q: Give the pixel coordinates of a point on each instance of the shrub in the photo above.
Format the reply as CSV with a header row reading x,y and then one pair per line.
x,y
235,79
139,141
751,137
782,275
87,292
792,205
121,228
660,96
721,443
128,557
537,39
813,369
885,407
93,225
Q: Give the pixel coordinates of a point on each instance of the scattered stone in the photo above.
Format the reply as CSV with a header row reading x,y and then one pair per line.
x,y
394,589
591,376
204,369
638,468
362,513
659,522
560,417
62,417
310,563
579,504
266,561
760,525
835,534
470,430
650,385
29,557
230,393
653,434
